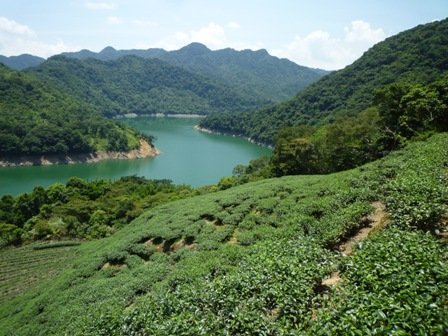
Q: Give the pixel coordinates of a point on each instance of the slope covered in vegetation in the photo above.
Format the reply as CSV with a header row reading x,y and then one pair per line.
x,y
28,266
251,259
255,73
135,85
81,209
416,56
37,119
403,112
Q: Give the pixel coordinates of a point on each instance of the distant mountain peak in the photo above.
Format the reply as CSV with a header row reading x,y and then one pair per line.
x,y
108,49
262,52
22,61
256,73
415,56
195,47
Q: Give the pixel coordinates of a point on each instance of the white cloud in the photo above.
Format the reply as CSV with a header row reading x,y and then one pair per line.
x,y
114,20
212,35
9,47
12,27
361,31
321,50
233,25
16,39
100,5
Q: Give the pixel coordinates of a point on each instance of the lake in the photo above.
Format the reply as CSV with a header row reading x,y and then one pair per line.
x,y
187,157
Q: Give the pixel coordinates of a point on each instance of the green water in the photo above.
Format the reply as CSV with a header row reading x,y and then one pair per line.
x,y
187,157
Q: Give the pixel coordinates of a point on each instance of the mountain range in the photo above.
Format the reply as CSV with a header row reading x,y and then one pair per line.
x,y
255,73
418,55
49,97
252,72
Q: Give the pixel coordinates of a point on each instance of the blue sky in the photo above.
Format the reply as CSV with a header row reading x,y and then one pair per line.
x,y
327,34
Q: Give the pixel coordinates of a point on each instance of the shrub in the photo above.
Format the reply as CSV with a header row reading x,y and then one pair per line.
x,y
116,257
10,235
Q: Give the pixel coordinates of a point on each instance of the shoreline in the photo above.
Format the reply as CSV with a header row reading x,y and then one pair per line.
x,y
146,150
160,115
209,131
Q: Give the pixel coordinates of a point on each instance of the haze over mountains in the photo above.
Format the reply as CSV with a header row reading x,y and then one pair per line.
x,y
21,62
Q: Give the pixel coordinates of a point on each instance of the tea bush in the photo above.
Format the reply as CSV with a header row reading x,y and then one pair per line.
x,y
250,261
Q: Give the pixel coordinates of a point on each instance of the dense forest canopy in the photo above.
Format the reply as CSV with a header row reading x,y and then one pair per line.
x,y
142,86
57,106
416,56
254,73
36,118
402,112
82,209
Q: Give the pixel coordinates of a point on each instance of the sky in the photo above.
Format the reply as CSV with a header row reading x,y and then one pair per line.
x,y
327,34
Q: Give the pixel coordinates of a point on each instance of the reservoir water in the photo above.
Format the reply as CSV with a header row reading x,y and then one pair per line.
x,y
187,157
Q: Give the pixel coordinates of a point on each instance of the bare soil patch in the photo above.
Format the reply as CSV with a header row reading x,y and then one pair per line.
x,y
376,221
145,150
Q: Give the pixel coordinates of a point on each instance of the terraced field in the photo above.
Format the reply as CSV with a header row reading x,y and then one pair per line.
x,y
25,267
255,259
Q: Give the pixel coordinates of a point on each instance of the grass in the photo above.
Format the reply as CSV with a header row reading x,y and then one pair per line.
x,y
249,260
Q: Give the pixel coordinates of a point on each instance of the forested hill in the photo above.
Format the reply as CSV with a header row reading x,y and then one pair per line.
x,y
143,86
22,61
36,119
255,73
419,55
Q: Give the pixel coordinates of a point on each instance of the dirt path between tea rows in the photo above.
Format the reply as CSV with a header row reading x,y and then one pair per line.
x,y
376,221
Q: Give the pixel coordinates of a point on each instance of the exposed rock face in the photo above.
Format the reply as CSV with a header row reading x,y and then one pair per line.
x,y
145,150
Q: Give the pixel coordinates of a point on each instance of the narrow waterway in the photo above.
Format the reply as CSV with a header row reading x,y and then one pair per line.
x,y
187,157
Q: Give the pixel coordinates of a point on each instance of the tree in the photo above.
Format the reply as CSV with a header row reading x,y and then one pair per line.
x,y
7,209
294,156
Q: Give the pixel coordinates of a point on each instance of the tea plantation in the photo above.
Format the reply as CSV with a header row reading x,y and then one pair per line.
x,y
24,267
251,260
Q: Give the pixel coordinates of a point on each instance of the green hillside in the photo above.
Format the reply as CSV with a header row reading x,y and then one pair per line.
x,y
257,259
416,56
254,73
38,119
28,266
82,209
135,85
358,252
